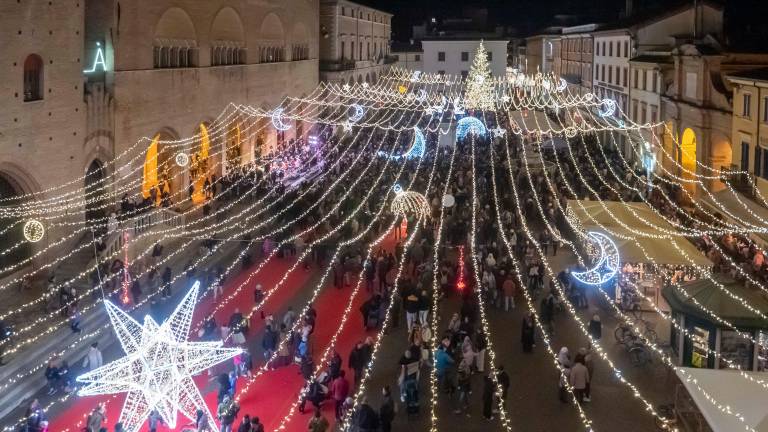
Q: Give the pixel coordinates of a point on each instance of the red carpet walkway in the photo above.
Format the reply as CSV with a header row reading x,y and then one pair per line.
x,y
273,393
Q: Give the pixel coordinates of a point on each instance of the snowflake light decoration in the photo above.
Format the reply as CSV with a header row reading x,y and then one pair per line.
x,y
33,230
182,159
157,371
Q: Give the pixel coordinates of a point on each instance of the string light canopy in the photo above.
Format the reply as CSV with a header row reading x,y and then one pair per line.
x,y
34,230
157,370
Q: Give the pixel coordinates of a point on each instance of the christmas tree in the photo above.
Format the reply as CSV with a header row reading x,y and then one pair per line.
x,y
479,94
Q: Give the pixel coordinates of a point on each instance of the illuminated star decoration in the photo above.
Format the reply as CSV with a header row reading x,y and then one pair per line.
x,y
346,87
157,370
498,132
347,126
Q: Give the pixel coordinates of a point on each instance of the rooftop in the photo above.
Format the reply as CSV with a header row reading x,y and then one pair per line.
x,y
754,74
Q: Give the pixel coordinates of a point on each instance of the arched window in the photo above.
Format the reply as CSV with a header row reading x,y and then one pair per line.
x,y
33,78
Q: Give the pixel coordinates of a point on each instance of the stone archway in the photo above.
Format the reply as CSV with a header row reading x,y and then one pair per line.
x,y
95,191
9,189
688,157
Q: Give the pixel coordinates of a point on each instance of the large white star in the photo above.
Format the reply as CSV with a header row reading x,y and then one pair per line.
x,y
157,370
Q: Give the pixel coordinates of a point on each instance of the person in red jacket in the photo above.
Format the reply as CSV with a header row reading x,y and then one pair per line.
x,y
339,392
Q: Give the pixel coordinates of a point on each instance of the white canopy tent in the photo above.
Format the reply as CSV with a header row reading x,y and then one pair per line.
x,y
745,397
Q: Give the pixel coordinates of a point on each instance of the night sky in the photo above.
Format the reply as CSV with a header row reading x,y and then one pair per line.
x,y
746,20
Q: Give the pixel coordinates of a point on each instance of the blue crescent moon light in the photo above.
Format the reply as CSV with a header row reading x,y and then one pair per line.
x,y
358,115
417,149
470,124
607,264
277,120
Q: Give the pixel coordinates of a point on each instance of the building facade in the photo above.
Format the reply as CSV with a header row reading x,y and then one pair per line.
x,y
576,51
540,53
455,57
408,56
87,79
750,125
612,50
355,42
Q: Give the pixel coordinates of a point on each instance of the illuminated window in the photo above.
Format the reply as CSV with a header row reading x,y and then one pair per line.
x,y
33,78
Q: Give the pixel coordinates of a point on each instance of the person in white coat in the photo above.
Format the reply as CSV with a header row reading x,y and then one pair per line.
x,y
93,360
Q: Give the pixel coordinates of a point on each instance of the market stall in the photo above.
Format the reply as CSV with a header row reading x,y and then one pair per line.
x,y
745,397
687,301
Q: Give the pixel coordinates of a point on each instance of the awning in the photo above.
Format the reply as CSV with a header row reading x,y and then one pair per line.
x,y
712,297
644,228
729,390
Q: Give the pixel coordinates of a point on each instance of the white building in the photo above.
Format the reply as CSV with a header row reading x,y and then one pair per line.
x,y
454,57
408,56
612,51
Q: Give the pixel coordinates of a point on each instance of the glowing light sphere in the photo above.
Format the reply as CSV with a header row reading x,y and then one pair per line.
x,y
470,124
358,114
33,230
182,159
606,264
410,202
607,108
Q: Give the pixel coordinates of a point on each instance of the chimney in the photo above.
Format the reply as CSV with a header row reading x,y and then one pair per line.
x,y
628,8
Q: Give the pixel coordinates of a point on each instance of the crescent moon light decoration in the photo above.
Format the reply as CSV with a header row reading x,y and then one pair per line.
x,y
470,124
277,120
415,151
422,95
607,263
607,108
416,76
358,115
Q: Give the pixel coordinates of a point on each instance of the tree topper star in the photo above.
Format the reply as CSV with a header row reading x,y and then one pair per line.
x,y
157,370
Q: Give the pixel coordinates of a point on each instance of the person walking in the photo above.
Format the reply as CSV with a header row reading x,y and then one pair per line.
x,y
227,412
387,410
509,287
97,417
528,333
488,392
339,392
155,420
93,360
578,378
595,327
245,426
318,423
269,342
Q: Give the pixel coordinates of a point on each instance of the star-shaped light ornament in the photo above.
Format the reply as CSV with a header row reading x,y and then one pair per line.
x,y
347,126
346,87
156,372
498,132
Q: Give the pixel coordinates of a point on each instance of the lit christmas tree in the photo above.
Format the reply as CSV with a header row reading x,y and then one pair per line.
x,y
479,94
